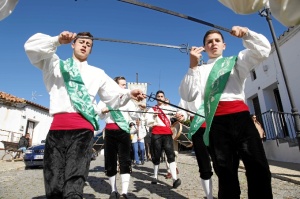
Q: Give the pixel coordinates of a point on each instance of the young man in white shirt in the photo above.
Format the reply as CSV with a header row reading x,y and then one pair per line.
x,y
158,118
138,142
117,141
72,85
230,132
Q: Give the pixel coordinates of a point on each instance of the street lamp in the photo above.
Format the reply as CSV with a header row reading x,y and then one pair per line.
x,y
266,13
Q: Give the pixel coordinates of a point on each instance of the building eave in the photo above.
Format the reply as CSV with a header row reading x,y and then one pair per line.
x,y
11,100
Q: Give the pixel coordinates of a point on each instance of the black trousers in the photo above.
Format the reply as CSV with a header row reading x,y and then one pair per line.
x,y
117,146
67,159
235,136
159,143
202,155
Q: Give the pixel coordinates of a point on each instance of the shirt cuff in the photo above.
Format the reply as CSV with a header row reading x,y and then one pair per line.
x,y
192,72
55,41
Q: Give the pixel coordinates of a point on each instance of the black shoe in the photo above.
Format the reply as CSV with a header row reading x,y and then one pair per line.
x,y
114,195
143,162
176,183
124,196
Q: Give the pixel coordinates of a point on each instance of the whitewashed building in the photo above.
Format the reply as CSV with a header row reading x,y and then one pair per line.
x,y
267,97
19,116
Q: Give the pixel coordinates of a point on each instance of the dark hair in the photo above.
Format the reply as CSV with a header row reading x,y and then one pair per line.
x,y
211,32
159,91
85,34
119,78
173,120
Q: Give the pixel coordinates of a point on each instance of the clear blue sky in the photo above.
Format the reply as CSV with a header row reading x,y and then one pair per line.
x,y
163,68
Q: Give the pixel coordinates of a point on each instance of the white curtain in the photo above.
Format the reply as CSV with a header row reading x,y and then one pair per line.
x,y
6,7
244,6
286,12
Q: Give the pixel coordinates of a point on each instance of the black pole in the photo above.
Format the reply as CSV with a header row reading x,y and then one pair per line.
x,y
175,14
294,110
154,98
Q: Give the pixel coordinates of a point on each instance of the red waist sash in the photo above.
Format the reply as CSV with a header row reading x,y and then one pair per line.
x,y
161,130
229,107
70,121
112,126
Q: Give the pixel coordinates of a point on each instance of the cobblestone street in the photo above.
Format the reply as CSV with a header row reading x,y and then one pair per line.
x,y
19,183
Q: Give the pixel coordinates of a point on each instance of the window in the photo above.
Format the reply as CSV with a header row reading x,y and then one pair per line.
x,y
253,75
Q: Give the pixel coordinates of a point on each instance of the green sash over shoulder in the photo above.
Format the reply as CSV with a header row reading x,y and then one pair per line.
x,y
119,119
214,88
77,91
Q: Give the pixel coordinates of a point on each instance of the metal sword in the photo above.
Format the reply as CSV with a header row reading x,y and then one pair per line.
x,y
175,14
163,109
184,48
171,114
154,98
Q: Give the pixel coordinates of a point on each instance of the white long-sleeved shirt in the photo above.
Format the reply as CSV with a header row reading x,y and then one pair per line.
x,y
128,116
191,106
142,132
257,49
41,48
153,120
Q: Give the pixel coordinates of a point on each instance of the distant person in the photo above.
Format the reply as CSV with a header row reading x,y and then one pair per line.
x,y
24,142
173,119
259,127
138,142
73,85
118,141
161,138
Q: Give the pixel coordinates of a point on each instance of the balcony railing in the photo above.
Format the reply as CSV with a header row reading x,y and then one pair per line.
x,y
279,125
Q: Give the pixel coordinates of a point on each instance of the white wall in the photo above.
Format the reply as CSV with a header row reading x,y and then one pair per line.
x,y
271,78
267,80
10,120
42,120
282,152
290,51
13,122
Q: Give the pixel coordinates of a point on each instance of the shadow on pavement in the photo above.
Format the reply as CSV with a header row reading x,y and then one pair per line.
x,y
143,181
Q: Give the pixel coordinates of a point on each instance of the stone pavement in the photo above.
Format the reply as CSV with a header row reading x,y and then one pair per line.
x,y
285,182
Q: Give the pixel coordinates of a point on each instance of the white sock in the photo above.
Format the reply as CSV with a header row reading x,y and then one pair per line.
x,y
155,171
125,182
173,170
112,182
207,187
